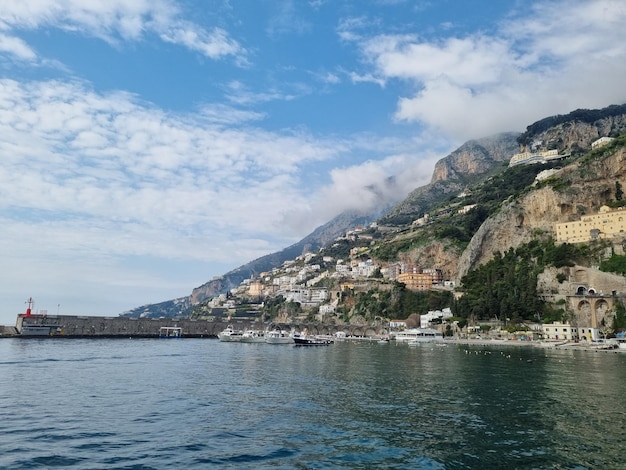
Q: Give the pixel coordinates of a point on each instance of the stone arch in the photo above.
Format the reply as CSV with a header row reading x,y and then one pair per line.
x,y
582,290
324,330
602,309
370,332
358,331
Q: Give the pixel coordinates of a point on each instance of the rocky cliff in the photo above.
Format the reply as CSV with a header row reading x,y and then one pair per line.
x,y
583,188
473,160
476,157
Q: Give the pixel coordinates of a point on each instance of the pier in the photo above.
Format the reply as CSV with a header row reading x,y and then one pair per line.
x,y
71,326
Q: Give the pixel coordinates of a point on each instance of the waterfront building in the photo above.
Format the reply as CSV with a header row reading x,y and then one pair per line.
x,y
397,324
434,316
560,331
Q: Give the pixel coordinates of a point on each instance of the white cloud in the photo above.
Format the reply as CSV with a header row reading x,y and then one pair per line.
x,y
90,180
67,149
240,94
213,44
116,20
16,47
556,57
374,184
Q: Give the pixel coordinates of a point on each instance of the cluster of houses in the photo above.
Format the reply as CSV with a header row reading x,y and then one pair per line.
x,y
304,282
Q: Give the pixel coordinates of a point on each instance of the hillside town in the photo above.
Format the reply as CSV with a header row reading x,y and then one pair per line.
x,y
316,284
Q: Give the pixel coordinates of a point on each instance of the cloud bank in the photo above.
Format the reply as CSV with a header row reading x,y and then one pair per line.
x,y
122,196
550,58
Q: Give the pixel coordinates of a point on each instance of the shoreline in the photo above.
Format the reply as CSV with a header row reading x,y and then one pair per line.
x,y
560,345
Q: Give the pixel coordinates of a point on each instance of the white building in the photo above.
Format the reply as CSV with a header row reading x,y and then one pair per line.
x,y
601,142
343,269
426,319
560,331
327,309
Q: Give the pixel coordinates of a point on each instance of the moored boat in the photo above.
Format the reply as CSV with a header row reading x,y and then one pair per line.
x,y
253,336
230,334
418,335
278,336
303,339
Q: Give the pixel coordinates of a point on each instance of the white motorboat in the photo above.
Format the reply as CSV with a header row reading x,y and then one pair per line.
x,y
230,334
253,336
278,336
418,335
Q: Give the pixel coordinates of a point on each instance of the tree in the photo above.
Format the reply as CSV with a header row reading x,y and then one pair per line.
x,y
619,321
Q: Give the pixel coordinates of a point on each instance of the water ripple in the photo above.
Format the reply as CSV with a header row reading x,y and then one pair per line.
x,y
151,404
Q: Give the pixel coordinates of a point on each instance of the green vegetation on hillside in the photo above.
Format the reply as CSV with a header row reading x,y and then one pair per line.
x,y
397,303
505,288
445,221
619,322
615,264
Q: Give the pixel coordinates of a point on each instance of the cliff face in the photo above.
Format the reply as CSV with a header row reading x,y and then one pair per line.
x,y
585,189
452,174
476,157
588,188
578,136
437,255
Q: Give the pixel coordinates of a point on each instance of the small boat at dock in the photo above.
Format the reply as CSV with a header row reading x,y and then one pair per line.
x,y
230,334
253,336
278,336
415,336
307,340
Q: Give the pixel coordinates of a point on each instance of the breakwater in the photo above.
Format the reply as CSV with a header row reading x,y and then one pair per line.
x,y
118,327
107,327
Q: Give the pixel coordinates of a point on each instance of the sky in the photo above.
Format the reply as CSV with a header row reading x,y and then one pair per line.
x,y
149,145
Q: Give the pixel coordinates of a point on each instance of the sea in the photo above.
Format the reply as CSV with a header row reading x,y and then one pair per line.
x,y
202,404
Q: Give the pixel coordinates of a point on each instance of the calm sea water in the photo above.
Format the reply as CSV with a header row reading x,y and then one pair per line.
x,y
155,404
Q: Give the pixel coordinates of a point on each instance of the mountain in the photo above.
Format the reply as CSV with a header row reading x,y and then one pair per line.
x,y
320,237
504,213
469,163
458,243
589,185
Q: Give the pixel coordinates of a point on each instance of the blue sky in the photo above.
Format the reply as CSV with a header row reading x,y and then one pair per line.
x,y
147,146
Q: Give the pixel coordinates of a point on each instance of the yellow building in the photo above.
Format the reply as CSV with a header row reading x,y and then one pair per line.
x,y
416,281
605,224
